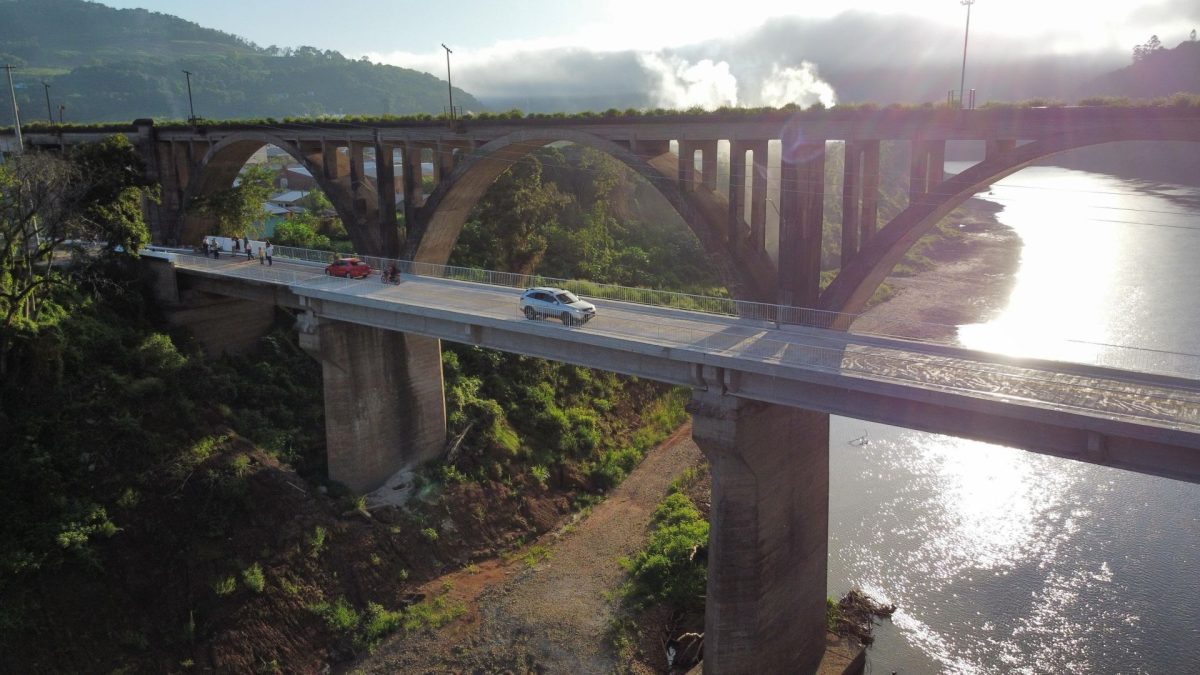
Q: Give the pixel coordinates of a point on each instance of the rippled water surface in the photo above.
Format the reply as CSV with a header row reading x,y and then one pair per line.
x,y
1003,560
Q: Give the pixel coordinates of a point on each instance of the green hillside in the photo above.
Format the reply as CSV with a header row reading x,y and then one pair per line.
x,y
109,65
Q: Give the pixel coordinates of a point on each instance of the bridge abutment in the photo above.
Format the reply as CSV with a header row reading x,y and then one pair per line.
x,y
384,406
765,606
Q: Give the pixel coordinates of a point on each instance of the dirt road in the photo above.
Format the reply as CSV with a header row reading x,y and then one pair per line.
x,y
546,611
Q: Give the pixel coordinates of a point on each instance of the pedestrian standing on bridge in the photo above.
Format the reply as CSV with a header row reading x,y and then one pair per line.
x,y
262,256
216,249
270,252
204,245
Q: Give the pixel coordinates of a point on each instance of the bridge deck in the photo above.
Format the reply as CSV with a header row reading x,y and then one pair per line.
x,y
1158,409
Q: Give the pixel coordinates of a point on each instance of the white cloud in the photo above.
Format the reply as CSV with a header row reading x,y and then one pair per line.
x,y
799,85
683,85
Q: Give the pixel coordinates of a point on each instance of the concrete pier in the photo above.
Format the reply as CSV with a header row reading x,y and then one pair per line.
x,y
384,408
768,541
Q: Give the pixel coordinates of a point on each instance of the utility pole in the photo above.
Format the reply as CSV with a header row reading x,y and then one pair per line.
x,y
191,109
16,113
49,115
962,81
61,108
449,87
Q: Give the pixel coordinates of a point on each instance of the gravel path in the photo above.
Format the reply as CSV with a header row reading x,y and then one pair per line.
x,y
551,616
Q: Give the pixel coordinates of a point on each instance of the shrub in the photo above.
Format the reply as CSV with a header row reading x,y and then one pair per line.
x,y
666,569
253,578
225,585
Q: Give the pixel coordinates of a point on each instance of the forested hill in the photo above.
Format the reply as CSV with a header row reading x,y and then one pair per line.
x,y
105,65
1155,71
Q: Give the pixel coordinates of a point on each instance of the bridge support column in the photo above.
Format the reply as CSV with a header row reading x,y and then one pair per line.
x,y
413,199
927,167
687,165
801,216
769,532
385,190
996,148
860,196
869,215
708,164
755,193
384,407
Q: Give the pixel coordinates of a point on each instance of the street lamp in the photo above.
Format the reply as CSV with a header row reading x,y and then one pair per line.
x,y
49,115
449,87
191,110
962,81
15,109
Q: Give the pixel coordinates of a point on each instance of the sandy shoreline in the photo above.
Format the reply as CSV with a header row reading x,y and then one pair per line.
x,y
969,283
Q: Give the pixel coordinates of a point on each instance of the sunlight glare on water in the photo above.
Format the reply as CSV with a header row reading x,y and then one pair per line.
x,y
1002,560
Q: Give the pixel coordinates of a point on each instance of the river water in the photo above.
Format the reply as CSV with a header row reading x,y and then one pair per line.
x,y
1002,560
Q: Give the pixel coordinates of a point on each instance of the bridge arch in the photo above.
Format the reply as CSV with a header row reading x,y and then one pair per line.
x,y
223,162
432,236
861,276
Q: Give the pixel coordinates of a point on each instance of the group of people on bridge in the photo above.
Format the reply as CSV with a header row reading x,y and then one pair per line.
x,y
266,250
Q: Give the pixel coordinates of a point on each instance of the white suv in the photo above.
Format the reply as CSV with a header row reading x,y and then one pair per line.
x,y
558,303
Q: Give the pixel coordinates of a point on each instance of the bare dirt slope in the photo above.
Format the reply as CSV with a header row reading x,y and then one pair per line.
x,y
546,614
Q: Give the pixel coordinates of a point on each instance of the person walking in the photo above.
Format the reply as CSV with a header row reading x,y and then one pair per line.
x,y
249,251
270,252
262,256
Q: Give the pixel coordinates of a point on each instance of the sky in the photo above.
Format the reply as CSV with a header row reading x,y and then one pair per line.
x,y
699,52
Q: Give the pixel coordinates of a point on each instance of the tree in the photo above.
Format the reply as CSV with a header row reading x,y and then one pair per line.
x,y
93,194
240,206
1140,52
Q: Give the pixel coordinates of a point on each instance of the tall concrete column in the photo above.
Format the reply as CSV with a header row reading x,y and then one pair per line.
x,y
687,165
927,165
413,199
869,215
758,196
996,148
851,200
769,532
801,216
708,164
385,190
737,192
384,407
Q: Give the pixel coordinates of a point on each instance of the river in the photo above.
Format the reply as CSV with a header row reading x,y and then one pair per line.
x,y
1002,560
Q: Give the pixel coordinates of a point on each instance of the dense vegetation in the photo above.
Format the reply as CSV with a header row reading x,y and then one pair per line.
x,y
105,64
161,505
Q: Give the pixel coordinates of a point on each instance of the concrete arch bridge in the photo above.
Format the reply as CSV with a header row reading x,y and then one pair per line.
x,y
383,387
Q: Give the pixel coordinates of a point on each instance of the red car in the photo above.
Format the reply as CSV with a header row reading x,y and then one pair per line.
x,y
348,267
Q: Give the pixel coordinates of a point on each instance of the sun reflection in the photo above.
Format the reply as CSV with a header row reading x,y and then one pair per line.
x,y
1056,310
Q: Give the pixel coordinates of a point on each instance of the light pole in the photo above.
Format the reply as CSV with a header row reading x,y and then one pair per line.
x,y
49,114
962,81
16,112
449,87
191,109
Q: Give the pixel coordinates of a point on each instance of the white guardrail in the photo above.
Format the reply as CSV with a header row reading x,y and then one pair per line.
x,y
1133,359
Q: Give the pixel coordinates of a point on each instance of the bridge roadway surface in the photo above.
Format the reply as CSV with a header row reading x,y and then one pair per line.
x,y
1146,423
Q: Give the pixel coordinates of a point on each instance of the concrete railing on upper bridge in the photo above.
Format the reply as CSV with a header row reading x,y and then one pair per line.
x,y
721,195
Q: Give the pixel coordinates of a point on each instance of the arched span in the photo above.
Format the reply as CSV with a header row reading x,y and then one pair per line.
x,y
857,281
224,160
439,222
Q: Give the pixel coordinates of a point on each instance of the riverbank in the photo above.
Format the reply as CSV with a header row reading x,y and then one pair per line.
x,y
969,281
